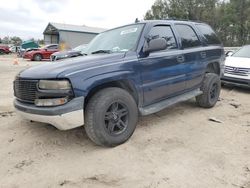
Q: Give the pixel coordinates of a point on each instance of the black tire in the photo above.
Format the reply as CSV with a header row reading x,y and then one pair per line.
x,y
2,52
37,57
111,116
211,91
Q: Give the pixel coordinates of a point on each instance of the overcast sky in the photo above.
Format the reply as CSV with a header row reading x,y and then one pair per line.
x,y
28,18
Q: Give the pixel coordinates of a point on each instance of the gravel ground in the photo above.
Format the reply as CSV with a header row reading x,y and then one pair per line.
x,y
177,147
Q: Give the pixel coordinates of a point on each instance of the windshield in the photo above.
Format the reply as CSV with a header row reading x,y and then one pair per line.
x,y
243,52
80,48
121,39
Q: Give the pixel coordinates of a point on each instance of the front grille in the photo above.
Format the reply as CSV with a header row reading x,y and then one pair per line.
x,y
237,71
25,90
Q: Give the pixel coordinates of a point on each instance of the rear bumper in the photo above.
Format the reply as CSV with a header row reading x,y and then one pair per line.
x,y
63,117
236,81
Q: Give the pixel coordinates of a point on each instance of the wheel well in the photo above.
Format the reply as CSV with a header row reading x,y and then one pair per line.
x,y
123,84
213,68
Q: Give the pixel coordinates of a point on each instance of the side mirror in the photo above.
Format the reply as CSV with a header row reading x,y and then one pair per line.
x,y
229,53
155,45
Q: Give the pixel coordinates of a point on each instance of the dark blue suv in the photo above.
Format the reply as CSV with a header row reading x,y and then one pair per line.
x,y
137,69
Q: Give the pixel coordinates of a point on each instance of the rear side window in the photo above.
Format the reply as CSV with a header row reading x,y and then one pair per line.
x,y
53,47
164,31
209,34
189,38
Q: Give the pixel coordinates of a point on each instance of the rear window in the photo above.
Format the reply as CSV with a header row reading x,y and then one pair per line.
x,y
209,34
189,38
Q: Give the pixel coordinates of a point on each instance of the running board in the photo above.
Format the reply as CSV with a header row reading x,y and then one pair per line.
x,y
169,102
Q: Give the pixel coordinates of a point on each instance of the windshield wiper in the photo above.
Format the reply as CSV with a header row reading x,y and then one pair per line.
x,y
102,51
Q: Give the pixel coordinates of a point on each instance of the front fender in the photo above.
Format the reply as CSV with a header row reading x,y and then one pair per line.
x,y
84,87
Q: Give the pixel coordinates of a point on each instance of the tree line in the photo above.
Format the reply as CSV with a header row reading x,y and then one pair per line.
x,y
229,18
17,41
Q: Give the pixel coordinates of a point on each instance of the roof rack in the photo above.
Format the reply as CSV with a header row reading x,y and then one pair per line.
x,y
177,19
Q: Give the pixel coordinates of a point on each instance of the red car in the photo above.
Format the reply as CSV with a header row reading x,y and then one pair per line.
x,y
4,50
41,53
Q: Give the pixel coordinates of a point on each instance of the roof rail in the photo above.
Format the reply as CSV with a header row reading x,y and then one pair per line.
x,y
177,19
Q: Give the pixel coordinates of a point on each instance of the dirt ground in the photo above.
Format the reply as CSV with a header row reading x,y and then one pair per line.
x,y
178,147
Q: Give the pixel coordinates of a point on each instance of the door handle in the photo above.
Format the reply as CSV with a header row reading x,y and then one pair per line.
x,y
180,59
203,55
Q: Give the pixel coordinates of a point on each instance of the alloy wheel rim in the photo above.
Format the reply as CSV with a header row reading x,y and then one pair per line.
x,y
116,118
214,91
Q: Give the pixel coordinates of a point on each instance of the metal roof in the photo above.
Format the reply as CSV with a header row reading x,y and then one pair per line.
x,y
74,28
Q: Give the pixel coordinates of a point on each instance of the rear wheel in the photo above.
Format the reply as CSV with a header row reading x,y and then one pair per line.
x,y
2,52
37,57
211,91
111,116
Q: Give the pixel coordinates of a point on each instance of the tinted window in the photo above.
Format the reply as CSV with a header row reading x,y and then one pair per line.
x,y
53,47
189,38
165,32
209,34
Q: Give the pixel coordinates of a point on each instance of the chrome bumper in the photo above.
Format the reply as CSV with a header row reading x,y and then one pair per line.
x,y
63,117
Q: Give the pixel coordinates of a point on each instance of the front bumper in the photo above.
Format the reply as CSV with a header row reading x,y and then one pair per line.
x,y
64,117
26,57
236,81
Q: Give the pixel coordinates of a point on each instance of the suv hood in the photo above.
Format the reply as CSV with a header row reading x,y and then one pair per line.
x,y
52,70
238,62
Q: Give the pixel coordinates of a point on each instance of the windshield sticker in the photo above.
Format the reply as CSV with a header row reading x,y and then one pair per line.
x,y
132,30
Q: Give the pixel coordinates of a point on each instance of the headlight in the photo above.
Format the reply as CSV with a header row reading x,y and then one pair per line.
x,y
54,84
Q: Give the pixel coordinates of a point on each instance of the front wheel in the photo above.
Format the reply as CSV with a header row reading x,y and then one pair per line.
x,y
110,117
211,91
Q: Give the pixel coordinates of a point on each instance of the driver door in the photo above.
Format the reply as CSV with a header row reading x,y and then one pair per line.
x,y
163,72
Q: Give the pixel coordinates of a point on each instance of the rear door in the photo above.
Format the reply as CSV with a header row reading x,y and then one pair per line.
x,y
212,49
193,53
162,72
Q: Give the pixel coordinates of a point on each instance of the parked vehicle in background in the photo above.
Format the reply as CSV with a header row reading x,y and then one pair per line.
x,y
4,50
230,50
21,52
75,52
41,53
135,69
237,68
15,49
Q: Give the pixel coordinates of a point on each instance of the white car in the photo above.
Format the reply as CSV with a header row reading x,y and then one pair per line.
x,y
237,68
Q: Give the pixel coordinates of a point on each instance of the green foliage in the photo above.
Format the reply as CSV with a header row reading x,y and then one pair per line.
x,y
17,41
40,41
6,40
229,18
12,40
